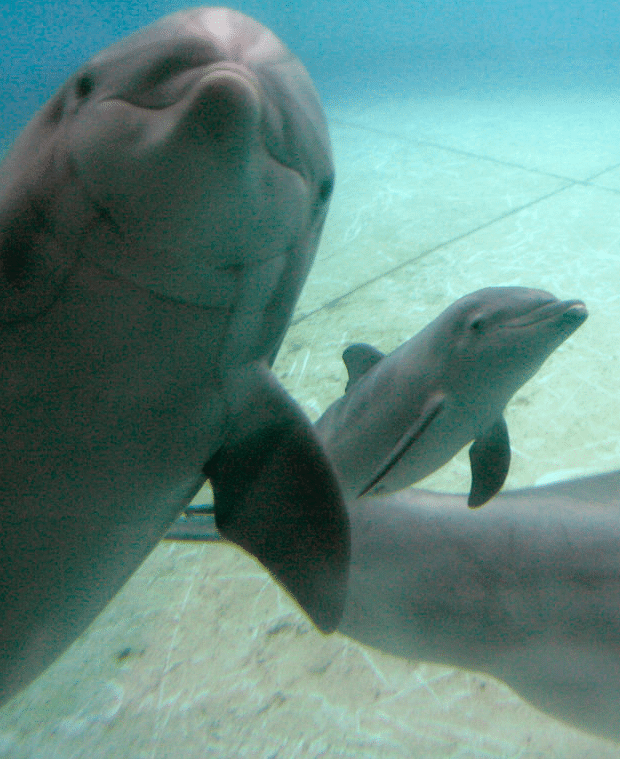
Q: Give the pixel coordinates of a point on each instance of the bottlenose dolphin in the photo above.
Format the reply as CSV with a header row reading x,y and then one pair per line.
x,y
526,589
158,218
405,415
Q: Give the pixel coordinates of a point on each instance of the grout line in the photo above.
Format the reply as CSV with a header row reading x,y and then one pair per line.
x,y
598,174
428,252
571,183
450,149
459,151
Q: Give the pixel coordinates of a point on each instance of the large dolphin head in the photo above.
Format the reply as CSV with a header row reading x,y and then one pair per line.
x,y
189,150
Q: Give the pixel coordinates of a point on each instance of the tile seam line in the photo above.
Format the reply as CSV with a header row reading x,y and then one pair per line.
x,y
459,151
598,174
428,252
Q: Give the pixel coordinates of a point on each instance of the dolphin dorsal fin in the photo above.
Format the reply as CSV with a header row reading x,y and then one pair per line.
x,y
359,359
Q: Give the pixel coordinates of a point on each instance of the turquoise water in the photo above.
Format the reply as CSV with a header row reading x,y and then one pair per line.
x,y
475,145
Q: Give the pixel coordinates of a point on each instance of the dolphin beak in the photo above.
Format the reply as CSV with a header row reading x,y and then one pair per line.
x,y
575,311
569,312
220,73
225,106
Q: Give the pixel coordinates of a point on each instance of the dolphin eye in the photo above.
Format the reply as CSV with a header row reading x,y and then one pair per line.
x,y
477,324
84,86
325,190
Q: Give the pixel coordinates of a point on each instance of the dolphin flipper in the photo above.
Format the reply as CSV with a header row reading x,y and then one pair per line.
x,y
276,496
489,456
429,413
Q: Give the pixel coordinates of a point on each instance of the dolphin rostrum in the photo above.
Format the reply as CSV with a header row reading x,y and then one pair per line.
x,y
526,590
405,415
158,218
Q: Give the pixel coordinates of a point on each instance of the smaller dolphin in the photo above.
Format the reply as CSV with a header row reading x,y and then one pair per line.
x,y
405,415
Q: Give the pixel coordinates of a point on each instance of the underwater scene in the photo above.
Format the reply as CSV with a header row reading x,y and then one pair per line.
x,y
476,149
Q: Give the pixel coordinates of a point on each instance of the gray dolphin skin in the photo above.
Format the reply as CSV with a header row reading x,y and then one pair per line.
x,y
526,589
158,218
405,415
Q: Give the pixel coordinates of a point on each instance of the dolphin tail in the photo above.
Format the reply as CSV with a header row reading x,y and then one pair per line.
x,y
277,497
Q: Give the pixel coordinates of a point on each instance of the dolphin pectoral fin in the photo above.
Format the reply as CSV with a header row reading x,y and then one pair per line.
x,y
430,411
489,456
277,497
360,359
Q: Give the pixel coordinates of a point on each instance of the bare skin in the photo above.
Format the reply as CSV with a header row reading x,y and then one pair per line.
x,y
526,589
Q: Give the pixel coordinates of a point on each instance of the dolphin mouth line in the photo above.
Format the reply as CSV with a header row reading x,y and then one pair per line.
x,y
575,309
237,71
126,280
